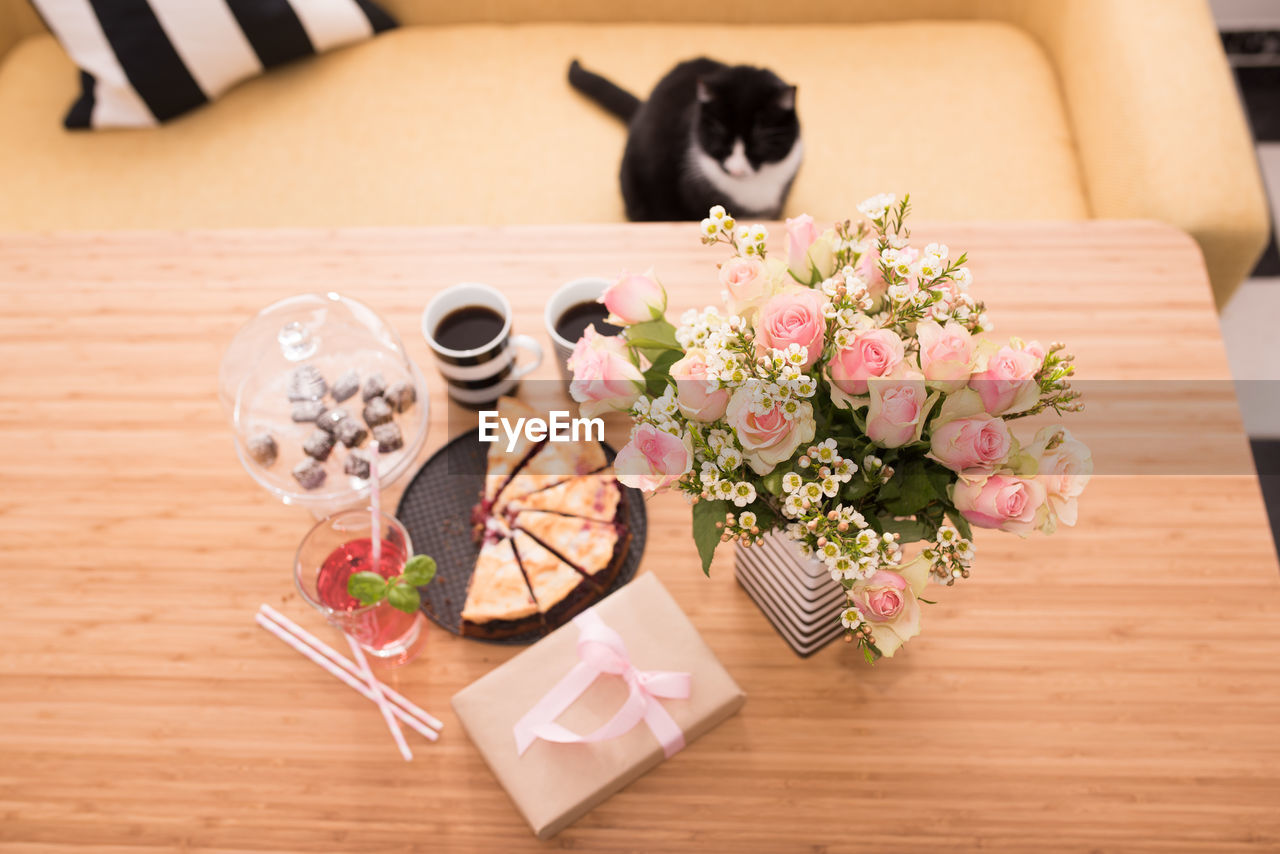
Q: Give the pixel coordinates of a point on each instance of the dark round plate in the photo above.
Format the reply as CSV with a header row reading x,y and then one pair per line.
x,y
436,510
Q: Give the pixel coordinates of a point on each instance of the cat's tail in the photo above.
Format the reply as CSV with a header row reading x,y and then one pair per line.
x,y
607,94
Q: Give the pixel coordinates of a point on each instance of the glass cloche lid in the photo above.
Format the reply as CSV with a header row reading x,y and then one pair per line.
x,y
309,384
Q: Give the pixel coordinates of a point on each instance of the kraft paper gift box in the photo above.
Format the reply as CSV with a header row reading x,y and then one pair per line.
x,y
554,784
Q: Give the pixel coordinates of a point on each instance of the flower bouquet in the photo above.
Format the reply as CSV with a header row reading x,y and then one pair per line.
x,y
850,396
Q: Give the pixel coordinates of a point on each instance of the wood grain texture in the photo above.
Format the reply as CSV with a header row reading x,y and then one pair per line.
x,y
1115,687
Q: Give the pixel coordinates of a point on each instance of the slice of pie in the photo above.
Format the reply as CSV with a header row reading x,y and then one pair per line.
x,y
502,463
560,590
591,496
596,549
498,600
553,463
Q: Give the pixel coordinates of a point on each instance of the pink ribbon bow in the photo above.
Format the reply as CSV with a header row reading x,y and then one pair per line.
x,y
601,650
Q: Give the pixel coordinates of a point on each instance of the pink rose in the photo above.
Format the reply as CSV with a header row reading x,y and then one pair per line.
x,y
634,298
873,353
699,398
767,439
898,407
1002,501
603,376
946,354
868,269
653,459
746,280
888,601
1065,466
793,317
1007,383
972,446
801,233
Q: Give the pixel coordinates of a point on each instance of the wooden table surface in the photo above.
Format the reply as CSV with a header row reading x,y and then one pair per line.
x,y
1115,687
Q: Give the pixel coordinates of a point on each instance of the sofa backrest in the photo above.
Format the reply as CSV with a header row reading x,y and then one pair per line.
x,y
683,11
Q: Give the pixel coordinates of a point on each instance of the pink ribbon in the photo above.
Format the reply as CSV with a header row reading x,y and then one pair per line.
x,y
601,651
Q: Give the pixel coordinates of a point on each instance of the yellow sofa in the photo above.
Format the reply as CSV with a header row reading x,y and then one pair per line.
x,y
987,109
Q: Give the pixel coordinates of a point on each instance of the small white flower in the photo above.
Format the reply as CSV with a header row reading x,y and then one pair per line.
x,y
710,228
811,491
743,494
747,520
850,618
791,482
717,212
729,458
877,206
759,234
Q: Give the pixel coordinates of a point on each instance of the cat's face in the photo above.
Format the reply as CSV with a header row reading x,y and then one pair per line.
x,y
746,119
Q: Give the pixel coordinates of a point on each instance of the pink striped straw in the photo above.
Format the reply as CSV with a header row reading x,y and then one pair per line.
x,y
375,504
341,674
342,661
375,687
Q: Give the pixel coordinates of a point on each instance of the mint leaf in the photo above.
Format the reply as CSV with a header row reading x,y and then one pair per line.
x,y
367,588
706,536
420,570
404,597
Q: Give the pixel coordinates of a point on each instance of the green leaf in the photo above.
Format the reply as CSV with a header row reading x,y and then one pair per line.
x,y
706,536
367,588
961,523
909,529
653,334
857,488
420,570
404,597
659,373
773,482
915,489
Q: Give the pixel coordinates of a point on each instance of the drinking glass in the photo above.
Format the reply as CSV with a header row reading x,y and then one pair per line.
x,y
340,546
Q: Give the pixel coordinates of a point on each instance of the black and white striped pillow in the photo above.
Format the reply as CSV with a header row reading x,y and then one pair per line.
x,y
146,61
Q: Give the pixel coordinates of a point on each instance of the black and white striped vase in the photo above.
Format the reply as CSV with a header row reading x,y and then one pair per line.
x,y
796,593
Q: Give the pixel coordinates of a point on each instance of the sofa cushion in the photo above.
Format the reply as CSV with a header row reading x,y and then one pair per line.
x,y
145,61
477,124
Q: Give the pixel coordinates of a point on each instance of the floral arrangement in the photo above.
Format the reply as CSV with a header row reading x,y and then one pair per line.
x,y
851,397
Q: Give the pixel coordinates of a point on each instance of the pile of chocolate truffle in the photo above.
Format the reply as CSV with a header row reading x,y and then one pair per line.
x,y
307,390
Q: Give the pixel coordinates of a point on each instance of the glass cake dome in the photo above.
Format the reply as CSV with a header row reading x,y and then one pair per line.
x,y
308,384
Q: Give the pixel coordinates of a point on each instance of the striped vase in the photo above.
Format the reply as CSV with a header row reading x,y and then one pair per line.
x,y
796,593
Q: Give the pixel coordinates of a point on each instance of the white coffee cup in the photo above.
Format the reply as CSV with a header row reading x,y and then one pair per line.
x,y
570,294
486,372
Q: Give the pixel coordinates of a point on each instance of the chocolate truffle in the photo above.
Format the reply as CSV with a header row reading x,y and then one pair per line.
x,y
377,411
262,447
318,445
306,383
307,410
345,386
351,433
374,386
388,438
309,473
401,396
357,465
329,421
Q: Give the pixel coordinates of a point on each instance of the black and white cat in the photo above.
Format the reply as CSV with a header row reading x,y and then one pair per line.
x,y
709,134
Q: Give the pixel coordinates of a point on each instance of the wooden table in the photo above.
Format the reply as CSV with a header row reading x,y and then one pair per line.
x,y
1116,687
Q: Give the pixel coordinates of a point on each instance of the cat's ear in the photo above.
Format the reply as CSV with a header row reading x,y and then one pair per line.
x,y
704,91
787,98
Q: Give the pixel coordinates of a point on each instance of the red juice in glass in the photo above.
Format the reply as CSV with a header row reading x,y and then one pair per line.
x,y
376,627
339,547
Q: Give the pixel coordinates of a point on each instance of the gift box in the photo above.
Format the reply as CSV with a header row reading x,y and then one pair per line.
x,y
596,704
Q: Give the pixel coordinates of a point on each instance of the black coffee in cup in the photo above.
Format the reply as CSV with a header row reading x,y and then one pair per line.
x,y
469,327
576,318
